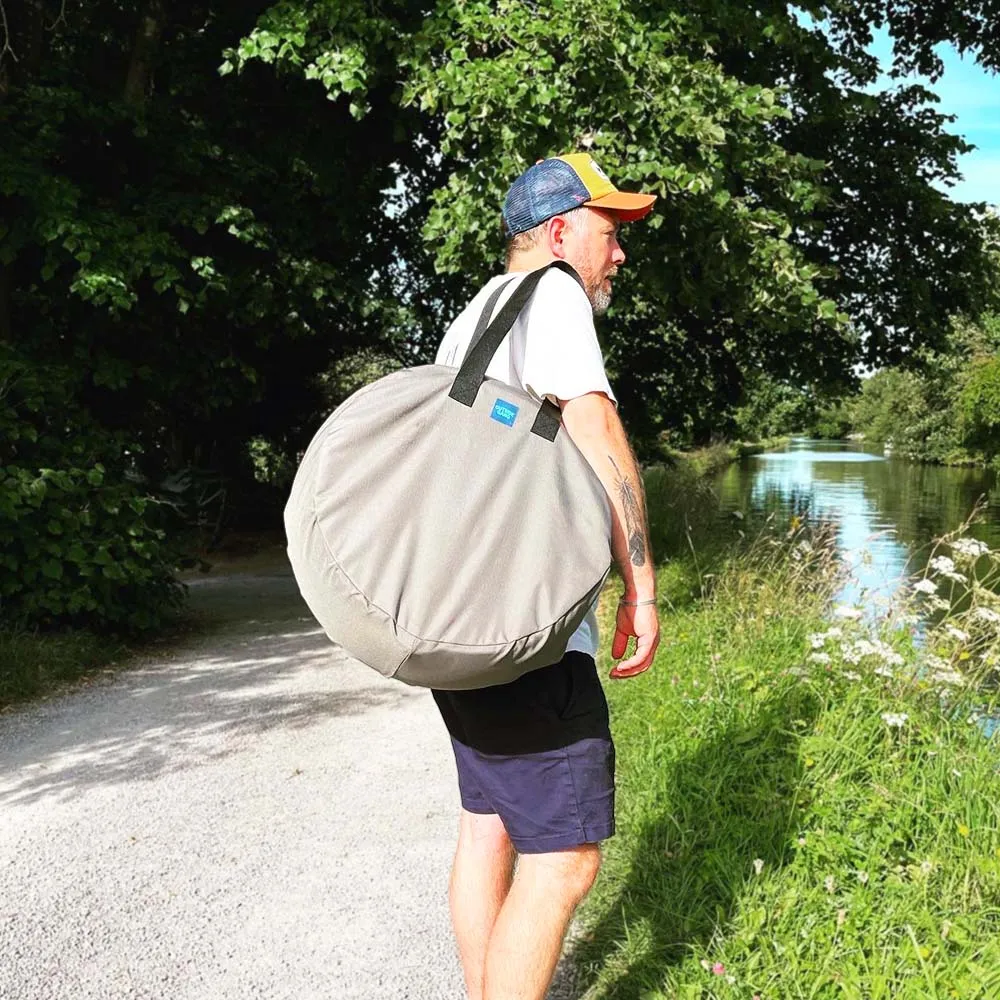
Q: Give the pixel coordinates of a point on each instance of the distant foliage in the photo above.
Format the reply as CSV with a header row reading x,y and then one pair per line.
x,y
771,408
81,540
979,404
832,421
948,409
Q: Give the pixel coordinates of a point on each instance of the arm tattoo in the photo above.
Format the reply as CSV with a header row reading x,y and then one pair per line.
x,y
633,518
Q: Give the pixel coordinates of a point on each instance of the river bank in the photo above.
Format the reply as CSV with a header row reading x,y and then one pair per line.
x,y
804,809
714,457
959,459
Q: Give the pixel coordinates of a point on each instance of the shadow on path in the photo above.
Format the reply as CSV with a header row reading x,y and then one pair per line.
x,y
730,802
259,662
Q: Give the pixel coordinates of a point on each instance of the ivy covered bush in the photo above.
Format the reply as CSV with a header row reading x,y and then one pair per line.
x,y
980,404
82,541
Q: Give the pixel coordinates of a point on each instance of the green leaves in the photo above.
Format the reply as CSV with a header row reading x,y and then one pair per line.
x,y
81,543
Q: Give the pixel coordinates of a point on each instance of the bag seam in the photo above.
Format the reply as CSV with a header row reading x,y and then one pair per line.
x,y
407,632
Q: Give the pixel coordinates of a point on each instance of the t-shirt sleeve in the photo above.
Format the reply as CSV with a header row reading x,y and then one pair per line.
x,y
562,357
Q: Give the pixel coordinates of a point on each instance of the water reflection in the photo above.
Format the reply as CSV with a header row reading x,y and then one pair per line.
x,y
887,510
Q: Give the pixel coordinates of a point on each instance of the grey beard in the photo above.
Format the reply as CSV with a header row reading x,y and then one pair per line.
x,y
600,300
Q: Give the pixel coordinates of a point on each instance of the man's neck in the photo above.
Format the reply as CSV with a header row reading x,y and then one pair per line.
x,y
530,260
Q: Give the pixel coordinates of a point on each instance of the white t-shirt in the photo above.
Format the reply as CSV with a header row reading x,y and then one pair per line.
x,y
551,350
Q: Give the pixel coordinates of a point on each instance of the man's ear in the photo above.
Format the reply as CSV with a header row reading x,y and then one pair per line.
x,y
556,232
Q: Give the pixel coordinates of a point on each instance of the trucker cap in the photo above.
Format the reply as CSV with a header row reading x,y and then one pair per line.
x,y
562,183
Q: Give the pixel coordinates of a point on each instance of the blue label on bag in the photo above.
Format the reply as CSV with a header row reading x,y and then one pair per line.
x,y
505,412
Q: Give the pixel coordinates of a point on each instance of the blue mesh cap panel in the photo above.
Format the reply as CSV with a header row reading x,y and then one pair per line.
x,y
544,190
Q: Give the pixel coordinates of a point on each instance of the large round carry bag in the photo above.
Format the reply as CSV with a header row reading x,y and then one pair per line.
x,y
443,528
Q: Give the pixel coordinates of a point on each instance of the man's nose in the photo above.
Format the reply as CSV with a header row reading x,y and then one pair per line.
x,y
618,255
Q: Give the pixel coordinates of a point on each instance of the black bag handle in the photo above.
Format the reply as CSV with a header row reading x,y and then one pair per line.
x,y
487,312
472,373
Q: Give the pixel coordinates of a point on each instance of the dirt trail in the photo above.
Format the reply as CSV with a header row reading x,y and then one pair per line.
x,y
248,815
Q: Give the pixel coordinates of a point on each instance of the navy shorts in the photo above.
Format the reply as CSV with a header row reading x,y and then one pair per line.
x,y
538,753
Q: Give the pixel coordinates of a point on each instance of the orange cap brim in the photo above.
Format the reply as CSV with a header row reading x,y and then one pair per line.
x,y
628,206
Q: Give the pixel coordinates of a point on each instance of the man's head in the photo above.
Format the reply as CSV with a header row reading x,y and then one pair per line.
x,y
565,208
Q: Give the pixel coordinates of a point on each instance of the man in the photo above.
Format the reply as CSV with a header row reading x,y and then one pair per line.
x,y
535,757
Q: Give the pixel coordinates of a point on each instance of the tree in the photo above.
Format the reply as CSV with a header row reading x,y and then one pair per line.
x,y
185,254
798,230
195,250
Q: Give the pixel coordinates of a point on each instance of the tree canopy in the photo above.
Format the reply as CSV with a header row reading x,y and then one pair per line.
x,y
799,228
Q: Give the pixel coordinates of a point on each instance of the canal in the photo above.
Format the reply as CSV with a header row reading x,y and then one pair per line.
x,y
888,510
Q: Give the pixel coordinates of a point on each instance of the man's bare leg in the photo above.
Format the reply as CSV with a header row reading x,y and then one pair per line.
x,y
528,934
480,880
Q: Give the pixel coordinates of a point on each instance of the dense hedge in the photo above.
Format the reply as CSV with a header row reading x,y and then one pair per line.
x,y
82,540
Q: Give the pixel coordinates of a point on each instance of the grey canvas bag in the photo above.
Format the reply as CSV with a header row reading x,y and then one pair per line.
x,y
443,528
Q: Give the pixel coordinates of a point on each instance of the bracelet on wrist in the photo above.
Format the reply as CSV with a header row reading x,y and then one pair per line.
x,y
635,604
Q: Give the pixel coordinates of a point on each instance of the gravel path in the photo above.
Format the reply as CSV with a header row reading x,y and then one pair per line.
x,y
250,815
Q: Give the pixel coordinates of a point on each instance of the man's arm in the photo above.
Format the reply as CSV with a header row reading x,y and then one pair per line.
x,y
593,423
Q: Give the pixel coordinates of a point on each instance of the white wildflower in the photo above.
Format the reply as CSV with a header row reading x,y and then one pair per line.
x,y
758,865
821,658
948,676
970,548
936,603
834,633
925,586
926,867
957,577
846,611
829,883
957,633
852,676
894,720
855,652
817,640
987,615
885,652
884,672
942,564
863,878
935,662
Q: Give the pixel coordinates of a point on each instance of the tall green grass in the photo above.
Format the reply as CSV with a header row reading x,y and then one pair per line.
x,y
33,664
796,817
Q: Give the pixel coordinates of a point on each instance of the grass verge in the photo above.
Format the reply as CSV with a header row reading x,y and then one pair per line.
x,y
33,664
791,824
714,457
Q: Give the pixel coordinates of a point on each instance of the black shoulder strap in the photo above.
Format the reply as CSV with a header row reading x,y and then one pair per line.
x,y
472,373
487,314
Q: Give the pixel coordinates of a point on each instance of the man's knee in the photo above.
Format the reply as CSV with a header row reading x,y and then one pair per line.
x,y
573,871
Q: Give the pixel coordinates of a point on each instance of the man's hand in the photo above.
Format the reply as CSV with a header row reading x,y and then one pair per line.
x,y
644,624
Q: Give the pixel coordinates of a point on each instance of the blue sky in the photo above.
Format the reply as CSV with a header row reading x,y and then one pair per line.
x,y
973,95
